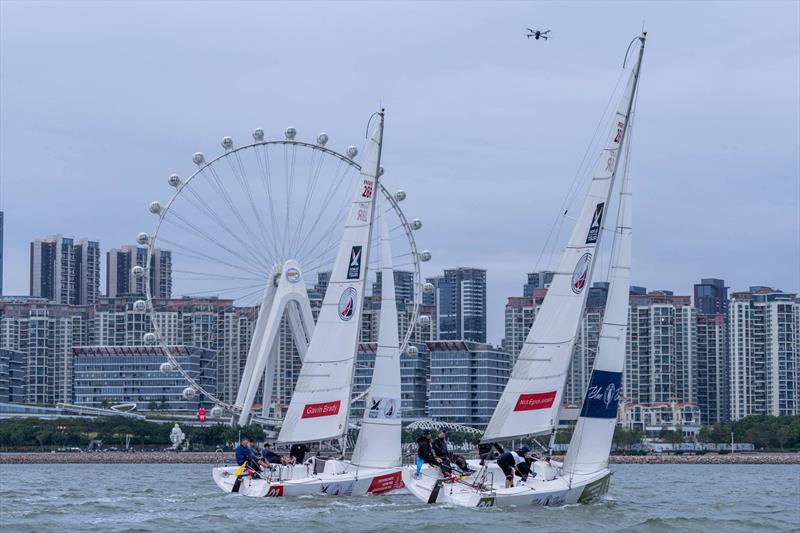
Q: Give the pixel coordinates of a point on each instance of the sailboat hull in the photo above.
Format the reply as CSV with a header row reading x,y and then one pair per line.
x,y
338,478
486,487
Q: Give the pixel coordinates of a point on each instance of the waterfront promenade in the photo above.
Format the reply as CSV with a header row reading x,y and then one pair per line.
x,y
213,458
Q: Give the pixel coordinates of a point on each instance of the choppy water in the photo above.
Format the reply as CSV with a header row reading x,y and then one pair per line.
x,y
132,498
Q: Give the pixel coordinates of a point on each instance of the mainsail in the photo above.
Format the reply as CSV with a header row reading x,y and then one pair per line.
x,y
321,400
532,397
378,443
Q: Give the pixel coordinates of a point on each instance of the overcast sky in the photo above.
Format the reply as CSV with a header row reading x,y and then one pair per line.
x,y
100,101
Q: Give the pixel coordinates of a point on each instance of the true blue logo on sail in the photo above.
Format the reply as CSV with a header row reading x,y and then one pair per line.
x,y
602,396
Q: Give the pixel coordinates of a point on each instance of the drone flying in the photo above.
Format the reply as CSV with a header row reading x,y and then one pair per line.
x,y
537,34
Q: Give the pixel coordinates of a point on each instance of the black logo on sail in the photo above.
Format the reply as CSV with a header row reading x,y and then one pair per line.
x,y
594,227
354,266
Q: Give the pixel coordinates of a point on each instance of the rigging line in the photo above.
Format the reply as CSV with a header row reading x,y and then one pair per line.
x,y
190,252
322,260
198,202
579,172
266,183
192,228
203,207
336,225
333,187
236,213
314,174
245,185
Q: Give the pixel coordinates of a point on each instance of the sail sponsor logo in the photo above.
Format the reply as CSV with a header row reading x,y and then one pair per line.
x,y
620,131
581,273
354,265
316,410
603,394
594,227
537,400
341,488
386,483
347,304
383,408
363,213
274,491
293,275
367,192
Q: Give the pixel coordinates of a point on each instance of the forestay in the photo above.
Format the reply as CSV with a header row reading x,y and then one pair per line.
x,y
530,403
321,400
378,443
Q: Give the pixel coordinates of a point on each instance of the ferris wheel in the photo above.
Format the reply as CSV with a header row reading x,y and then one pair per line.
x,y
234,225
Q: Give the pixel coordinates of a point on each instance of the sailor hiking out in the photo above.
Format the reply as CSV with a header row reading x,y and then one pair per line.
x,y
518,463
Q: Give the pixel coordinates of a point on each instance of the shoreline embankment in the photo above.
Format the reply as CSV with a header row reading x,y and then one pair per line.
x,y
211,458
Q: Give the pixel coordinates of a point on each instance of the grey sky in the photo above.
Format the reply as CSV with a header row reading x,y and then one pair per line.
x,y
99,102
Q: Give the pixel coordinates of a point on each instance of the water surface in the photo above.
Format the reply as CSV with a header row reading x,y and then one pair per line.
x,y
134,498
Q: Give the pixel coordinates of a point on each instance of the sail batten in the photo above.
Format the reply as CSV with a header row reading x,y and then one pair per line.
x,y
533,395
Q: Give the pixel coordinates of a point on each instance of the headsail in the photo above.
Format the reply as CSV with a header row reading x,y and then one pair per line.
x,y
321,400
591,440
378,443
532,397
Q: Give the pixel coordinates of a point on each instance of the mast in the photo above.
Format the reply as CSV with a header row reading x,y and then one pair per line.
x,y
532,397
320,405
591,441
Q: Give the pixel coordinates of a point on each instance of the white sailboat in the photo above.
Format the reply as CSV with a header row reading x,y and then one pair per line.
x,y
320,404
530,403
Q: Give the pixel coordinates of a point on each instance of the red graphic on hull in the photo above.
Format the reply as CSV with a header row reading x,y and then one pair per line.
x,y
275,491
386,483
538,400
314,410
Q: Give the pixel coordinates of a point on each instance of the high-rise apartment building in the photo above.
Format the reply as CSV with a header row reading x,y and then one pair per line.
x,y
120,280
764,332
65,270
12,376
660,362
45,333
519,314
403,286
711,297
466,381
537,280
460,300
712,376
713,356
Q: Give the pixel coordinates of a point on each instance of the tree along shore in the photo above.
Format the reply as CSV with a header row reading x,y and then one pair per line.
x,y
211,458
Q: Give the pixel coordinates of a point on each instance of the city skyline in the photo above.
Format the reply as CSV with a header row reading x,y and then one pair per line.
x,y
531,281
501,152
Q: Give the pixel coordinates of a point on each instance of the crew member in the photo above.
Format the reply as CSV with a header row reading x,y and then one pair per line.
x,y
269,456
298,453
515,463
425,454
245,456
